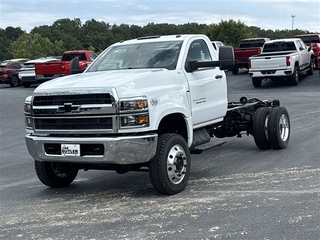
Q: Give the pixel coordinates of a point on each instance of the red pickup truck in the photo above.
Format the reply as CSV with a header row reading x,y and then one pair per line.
x,y
48,70
312,40
247,48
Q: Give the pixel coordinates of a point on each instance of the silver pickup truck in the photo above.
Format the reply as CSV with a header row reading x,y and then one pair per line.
x,y
281,59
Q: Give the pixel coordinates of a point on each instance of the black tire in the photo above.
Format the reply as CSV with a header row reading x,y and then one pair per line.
x,y
310,71
256,82
14,81
235,70
260,128
294,78
279,127
169,170
55,175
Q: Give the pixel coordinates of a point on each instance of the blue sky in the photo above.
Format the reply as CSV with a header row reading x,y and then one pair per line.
x,y
265,14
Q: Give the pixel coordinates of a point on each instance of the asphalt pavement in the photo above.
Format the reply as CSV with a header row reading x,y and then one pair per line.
x,y
236,191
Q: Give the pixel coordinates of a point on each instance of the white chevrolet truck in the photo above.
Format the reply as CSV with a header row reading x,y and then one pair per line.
x,y
281,59
145,104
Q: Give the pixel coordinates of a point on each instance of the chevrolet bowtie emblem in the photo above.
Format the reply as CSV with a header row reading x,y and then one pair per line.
x,y
68,108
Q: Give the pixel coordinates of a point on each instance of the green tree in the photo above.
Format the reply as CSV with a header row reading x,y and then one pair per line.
x,y
69,32
97,34
7,36
34,46
229,32
44,31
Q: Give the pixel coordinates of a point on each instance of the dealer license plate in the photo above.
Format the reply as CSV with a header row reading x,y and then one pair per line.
x,y
70,149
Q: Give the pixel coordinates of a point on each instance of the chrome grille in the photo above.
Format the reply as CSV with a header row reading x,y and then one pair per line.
x,y
79,99
73,123
74,113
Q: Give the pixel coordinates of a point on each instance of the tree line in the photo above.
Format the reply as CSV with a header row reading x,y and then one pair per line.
x,y
72,34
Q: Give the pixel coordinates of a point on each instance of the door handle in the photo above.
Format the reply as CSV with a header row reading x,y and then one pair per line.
x,y
218,76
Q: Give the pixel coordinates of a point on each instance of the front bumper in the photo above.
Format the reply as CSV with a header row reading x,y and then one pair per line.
x,y
116,150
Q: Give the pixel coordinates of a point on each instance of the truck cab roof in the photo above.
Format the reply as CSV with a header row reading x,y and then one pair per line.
x,y
179,37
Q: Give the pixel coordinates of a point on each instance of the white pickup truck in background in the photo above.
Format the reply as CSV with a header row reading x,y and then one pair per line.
x,y
144,104
281,59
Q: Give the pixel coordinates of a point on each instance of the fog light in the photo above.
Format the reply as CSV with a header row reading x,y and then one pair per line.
x,y
28,122
141,120
129,120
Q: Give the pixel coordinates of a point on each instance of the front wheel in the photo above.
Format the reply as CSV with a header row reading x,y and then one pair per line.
x,y
55,174
279,127
169,170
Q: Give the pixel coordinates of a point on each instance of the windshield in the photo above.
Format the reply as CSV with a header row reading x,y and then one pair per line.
x,y
310,39
140,55
252,43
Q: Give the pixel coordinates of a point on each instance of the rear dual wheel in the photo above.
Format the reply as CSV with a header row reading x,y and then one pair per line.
x,y
271,128
260,128
279,127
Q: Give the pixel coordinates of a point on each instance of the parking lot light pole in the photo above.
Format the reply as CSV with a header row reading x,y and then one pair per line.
x,y
29,41
293,16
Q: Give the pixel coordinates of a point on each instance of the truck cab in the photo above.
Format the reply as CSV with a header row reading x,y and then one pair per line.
x,y
46,71
313,41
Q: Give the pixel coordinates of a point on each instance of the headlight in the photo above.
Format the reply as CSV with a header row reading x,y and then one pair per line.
x,y
27,107
134,112
133,104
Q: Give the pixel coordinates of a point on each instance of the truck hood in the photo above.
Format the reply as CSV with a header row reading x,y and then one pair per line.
x,y
126,82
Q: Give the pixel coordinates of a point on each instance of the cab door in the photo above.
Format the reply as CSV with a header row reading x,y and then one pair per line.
x,y
207,86
304,54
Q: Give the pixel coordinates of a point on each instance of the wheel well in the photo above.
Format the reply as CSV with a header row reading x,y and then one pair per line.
x,y
173,123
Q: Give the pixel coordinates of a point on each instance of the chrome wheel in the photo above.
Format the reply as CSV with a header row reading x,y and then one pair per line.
x,y
169,170
284,127
176,164
279,127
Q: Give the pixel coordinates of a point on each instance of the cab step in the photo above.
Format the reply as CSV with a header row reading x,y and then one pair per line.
x,y
211,144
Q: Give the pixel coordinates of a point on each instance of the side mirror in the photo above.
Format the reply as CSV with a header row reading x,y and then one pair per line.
x,y
226,57
74,66
225,62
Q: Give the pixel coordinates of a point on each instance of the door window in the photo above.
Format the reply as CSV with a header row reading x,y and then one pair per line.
x,y
199,51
